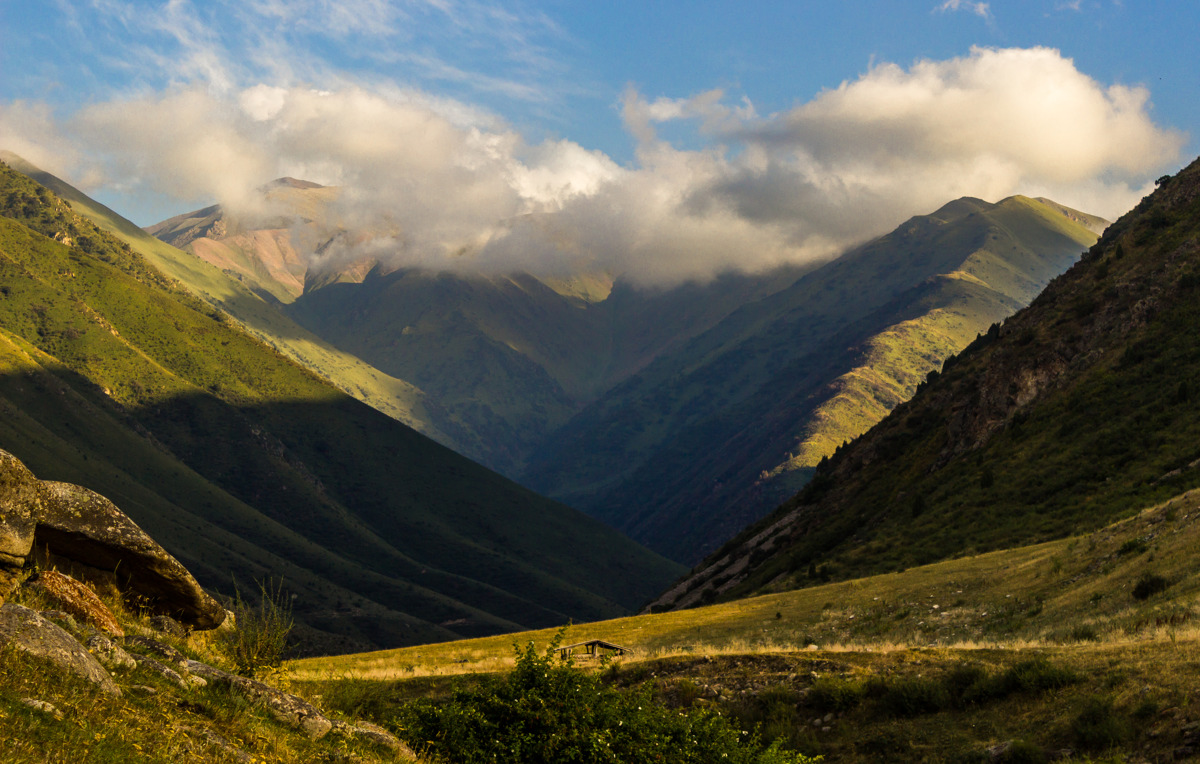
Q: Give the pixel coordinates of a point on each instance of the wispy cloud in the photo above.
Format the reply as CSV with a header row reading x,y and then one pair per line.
x,y
980,9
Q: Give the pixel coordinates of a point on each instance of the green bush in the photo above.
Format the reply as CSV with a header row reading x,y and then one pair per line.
x,y
1149,585
547,711
1098,726
912,696
834,694
259,639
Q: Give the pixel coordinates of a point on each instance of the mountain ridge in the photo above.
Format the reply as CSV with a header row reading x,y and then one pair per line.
x,y
1065,416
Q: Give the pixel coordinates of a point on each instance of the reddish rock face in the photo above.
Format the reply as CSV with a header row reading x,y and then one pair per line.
x,y
21,502
84,527
78,600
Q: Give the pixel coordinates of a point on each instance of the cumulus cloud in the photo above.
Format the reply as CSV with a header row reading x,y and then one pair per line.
x,y
979,9
441,184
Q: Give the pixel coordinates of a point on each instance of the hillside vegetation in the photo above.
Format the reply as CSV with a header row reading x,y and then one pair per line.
x,y
248,467
1069,649
1075,411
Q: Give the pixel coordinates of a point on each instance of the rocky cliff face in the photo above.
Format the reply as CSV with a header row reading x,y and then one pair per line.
x,y
1072,412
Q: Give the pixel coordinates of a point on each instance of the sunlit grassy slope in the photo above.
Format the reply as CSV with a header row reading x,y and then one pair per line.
x,y
1074,589
246,465
394,397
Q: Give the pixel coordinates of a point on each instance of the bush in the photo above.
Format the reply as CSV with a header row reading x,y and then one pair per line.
x,y
1099,727
259,639
547,711
1149,585
913,696
832,694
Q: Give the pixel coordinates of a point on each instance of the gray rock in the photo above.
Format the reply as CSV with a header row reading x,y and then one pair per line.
x,y
288,709
160,649
32,634
110,655
84,527
162,670
229,751
168,625
43,706
375,734
22,499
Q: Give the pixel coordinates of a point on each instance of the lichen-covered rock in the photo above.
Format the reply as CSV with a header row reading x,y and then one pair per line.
x,y
78,600
288,709
160,649
110,655
83,526
163,670
32,634
22,498
375,734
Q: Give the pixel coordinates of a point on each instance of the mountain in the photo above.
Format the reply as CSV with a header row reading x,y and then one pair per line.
x,y
711,436
246,466
1080,409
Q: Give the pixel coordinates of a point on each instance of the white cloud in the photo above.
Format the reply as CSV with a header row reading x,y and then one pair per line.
x,y
439,183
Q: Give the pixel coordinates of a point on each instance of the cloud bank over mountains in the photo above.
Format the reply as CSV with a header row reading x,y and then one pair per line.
x,y
439,183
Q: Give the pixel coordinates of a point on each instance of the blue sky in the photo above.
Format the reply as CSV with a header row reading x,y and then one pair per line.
x,y
693,136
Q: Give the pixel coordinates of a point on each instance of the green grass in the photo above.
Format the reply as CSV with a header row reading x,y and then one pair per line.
x,y
1045,648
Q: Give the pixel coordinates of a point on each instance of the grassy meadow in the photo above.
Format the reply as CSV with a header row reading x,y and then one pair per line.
x,y
1087,645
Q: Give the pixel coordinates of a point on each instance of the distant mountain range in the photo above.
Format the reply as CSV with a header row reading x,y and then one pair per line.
x,y
118,372
1080,409
676,415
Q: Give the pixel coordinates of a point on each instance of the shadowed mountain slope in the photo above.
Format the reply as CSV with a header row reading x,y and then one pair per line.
x,y
1077,410
711,436
244,465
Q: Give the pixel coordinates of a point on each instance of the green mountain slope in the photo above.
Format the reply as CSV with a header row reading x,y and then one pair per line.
x,y
1077,410
394,397
710,437
246,465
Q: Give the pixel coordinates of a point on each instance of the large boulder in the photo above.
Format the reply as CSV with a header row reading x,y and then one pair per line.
x,y
84,527
34,635
21,502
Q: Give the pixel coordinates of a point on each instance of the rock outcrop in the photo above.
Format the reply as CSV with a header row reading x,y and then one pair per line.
x,y
84,527
21,502
287,708
32,634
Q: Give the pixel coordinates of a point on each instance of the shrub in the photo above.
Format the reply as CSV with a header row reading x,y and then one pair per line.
x,y
913,696
1098,726
547,710
833,694
1149,585
259,639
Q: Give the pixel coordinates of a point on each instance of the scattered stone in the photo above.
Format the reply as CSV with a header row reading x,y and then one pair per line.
x,y
84,527
375,734
285,707
142,689
812,647
997,751
161,669
78,600
160,649
43,706
231,752
22,499
33,634
110,655
62,618
169,626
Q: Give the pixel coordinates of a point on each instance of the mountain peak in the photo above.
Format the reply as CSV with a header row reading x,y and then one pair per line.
x,y
288,182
